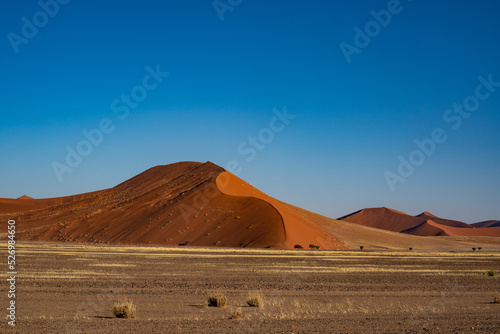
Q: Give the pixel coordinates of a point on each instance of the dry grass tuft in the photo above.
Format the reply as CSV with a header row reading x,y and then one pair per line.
x,y
236,313
490,273
255,300
124,310
217,300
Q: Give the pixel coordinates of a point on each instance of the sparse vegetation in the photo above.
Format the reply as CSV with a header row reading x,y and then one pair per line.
x,y
410,249
217,300
298,247
313,246
236,313
473,249
255,300
361,247
479,248
241,244
491,273
124,309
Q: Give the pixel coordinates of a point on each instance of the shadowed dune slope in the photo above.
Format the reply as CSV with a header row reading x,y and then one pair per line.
x,y
166,205
441,221
384,218
300,229
431,228
424,224
487,223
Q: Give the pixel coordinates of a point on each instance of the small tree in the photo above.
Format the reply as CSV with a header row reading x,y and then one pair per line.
x,y
479,248
361,247
317,247
298,247
312,246
473,249
410,249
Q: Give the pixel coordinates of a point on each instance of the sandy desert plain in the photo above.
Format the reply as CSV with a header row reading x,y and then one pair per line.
x,y
171,237
65,288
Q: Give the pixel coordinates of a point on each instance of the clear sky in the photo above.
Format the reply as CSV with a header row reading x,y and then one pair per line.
x,y
354,83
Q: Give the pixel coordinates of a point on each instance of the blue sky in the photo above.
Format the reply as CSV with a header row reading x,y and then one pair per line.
x,y
352,120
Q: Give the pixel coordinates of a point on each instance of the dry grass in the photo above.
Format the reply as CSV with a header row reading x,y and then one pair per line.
x,y
124,309
491,273
155,251
236,313
217,300
255,300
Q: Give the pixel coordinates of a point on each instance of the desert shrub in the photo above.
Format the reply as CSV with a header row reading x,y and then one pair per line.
x,y
361,247
496,300
217,300
490,273
479,248
312,246
317,247
410,249
241,244
473,248
298,247
124,309
236,313
255,300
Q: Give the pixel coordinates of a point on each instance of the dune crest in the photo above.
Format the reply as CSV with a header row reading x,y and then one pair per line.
x,y
298,228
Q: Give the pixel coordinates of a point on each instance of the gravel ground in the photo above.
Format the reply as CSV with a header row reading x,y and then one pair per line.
x,y
64,288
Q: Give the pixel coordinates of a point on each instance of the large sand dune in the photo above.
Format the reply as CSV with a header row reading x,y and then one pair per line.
x,y
424,224
201,204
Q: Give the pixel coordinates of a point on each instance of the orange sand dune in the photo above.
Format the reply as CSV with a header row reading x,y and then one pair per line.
x,y
25,197
384,218
424,224
447,222
431,228
487,223
169,205
298,228
201,204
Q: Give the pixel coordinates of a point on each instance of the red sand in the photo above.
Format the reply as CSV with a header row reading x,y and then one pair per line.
x,y
447,222
487,223
25,197
201,204
424,224
384,218
431,228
